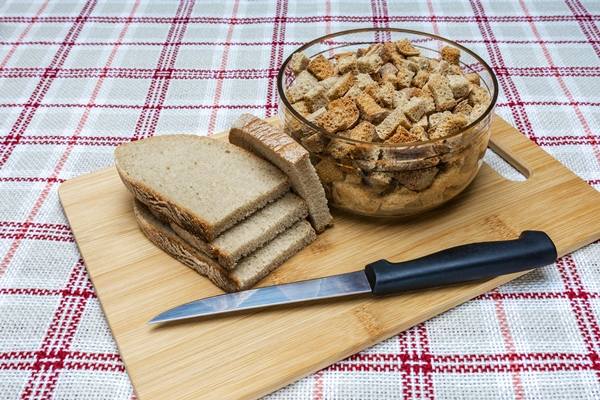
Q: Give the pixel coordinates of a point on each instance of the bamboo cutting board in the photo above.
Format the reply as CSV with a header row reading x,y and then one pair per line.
x,y
252,353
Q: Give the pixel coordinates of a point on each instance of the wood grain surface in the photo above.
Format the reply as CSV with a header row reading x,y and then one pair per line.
x,y
252,353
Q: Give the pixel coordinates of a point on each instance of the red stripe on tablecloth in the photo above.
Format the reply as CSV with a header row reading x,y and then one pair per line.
x,y
519,362
586,22
299,20
415,363
530,295
318,386
328,17
582,308
65,73
276,57
258,43
18,129
511,93
55,140
510,346
469,363
35,231
19,41
219,87
51,358
159,85
433,18
589,34
379,11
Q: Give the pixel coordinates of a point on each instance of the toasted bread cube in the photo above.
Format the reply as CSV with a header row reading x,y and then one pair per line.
x,y
342,114
316,98
439,86
339,149
389,51
422,62
369,64
459,85
320,67
420,78
417,107
436,118
315,143
418,179
364,80
388,126
478,95
357,197
375,48
388,68
303,83
298,63
404,78
473,78
354,91
365,131
301,107
407,64
402,136
400,197
341,86
451,55
400,99
380,178
406,48
449,125
444,68
346,63
370,110
386,94
329,171
477,111
463,108
418,131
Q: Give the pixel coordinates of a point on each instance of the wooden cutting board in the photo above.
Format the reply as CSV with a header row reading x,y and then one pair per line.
x,y
250,354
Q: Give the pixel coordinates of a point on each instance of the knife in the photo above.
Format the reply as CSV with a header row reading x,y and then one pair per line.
x,y
463,263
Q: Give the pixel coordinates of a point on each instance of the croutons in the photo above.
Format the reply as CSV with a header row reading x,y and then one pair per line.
x,y
388,93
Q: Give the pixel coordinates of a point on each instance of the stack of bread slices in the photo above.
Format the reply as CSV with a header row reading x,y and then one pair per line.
x,y
231,211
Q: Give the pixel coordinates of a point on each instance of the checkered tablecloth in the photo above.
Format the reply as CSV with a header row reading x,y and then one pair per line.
x,y
78,78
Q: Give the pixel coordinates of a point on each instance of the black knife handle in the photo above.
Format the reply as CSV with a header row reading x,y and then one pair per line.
x,y
463,263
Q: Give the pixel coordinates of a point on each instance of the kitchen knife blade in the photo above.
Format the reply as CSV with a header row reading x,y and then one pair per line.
x,y
463,263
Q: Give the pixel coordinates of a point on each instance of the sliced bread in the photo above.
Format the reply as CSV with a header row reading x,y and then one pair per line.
x,y
248,271
203,185
273,145
250,233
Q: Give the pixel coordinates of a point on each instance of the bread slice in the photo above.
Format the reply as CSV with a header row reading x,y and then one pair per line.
x,y
203,185
270,143
248,271
250,233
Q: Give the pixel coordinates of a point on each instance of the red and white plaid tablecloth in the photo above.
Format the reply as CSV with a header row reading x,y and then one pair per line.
x,y
77,78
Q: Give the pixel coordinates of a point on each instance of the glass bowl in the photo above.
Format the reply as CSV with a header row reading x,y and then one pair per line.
x,y
368,162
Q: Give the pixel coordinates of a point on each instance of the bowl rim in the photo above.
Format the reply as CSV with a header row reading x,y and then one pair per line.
x,y
485,114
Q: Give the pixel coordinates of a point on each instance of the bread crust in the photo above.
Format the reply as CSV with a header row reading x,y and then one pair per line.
x,y
268,142
254,267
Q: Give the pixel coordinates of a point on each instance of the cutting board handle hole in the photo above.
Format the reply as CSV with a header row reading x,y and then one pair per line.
x,y
515,173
